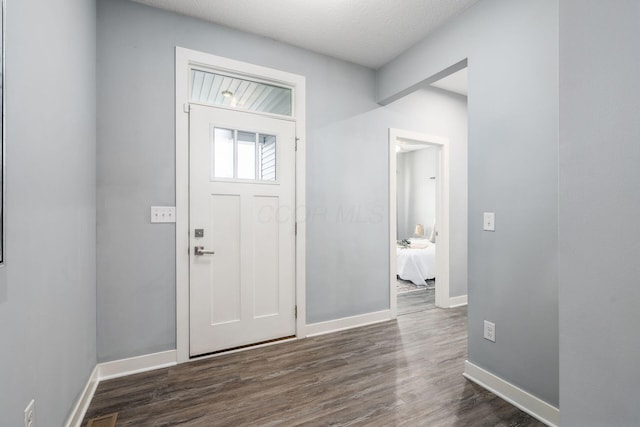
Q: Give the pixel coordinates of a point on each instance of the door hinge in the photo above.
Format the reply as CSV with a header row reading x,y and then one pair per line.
x,y
186,107
296,147
295,311
295,229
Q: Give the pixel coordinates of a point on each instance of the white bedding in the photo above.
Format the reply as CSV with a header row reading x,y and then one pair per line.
x,y
417,265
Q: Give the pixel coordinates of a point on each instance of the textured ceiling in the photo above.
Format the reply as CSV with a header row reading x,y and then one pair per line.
x,y
367,32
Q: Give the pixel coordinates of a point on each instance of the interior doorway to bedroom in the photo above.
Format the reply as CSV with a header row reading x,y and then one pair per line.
x,y
417,173
419,221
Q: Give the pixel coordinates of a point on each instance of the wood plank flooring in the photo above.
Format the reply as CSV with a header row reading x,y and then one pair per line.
x,y
399,373
411,302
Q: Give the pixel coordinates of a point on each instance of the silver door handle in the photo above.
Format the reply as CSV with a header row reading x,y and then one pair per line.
x,y
199,250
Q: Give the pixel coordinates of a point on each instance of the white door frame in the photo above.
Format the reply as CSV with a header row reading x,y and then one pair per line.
x,y
442,214
184,59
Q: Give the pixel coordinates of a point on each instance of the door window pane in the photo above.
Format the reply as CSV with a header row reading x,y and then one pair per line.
x,y
223,146
246,155
267,157
243,155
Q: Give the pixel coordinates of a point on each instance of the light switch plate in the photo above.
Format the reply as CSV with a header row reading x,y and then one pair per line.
x,y
489,221
163,214
30,414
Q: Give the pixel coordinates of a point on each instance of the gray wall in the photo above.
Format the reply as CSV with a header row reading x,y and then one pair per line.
x,y
347,173
512,51
47,286
136,273
416,191
599,211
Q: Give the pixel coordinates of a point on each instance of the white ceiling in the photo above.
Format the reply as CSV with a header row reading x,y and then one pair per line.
x,y
456,82
367,32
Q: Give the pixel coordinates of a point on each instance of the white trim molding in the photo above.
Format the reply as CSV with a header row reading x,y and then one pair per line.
x,y
337,325
135,365
184,58
537,408
80,409
458,301
117,369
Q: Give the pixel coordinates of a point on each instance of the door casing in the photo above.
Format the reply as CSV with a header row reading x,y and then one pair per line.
x,y
183,60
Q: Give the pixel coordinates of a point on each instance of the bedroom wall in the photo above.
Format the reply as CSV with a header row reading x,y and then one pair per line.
x,y
599,206
47,285
512,52
416,191
347,173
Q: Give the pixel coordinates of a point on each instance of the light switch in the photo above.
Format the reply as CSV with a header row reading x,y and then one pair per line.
x,y
489,221
163,214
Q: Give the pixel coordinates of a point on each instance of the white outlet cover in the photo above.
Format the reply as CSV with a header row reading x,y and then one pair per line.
x,y
490,331
489,221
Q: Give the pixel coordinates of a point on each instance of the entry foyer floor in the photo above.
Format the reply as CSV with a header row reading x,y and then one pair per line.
x,y
399,373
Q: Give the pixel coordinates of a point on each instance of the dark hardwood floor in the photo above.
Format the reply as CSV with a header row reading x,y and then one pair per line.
x,y
399,373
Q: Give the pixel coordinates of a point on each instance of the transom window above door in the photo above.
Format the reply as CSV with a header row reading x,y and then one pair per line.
x,y
241,155
235,92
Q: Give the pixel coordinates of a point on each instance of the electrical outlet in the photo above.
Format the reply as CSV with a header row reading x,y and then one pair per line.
x,y
30,414
163,214
490,331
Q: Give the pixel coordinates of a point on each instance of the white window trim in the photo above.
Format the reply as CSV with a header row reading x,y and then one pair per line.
x,y
184,59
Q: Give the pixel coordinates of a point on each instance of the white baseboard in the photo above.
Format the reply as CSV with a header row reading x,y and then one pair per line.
x,y
134,365
77,414
345,323
116,369
537,408
457,301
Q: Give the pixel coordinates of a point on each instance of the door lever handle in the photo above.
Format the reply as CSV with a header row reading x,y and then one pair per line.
x,y
199,250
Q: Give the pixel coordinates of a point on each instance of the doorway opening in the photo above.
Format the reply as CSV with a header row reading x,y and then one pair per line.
x,y
417,177
419,251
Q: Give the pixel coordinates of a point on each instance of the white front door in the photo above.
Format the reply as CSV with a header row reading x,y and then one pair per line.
x,y
241,228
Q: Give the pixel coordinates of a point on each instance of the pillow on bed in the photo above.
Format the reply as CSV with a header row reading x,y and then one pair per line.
x,y
419,243
419,240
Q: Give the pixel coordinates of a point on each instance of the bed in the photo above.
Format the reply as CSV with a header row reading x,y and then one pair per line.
x,y
417,262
